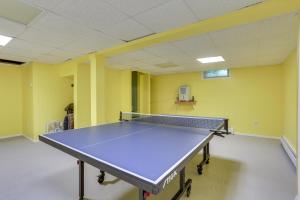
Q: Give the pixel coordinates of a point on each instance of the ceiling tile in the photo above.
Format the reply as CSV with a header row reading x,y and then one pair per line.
x,y
10,28
50,59
209,9
133,7
21,52
197,47
128,30
44,37
26,49
66,54
60,25
14,57
164,50
236,36
134,56
91,44
19,12
154,61
278,26
44,3
28,46
94,13
167,16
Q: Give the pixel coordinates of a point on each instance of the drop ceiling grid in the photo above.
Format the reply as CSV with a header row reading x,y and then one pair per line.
x,y
240,45
63,27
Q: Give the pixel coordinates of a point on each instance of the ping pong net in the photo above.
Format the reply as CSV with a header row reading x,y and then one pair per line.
x,y
214,124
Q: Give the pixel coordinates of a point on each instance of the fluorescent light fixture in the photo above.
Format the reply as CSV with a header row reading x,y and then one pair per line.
x,y
4,40
211,59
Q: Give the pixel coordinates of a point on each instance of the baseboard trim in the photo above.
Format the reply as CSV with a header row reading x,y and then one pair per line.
x,y
32,140
256,135
290,151
10,136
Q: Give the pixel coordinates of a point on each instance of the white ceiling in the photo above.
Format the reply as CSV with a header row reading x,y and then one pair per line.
x,y
264,43
69,28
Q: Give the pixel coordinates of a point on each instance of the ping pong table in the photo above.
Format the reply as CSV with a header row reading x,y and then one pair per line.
x,y
147,151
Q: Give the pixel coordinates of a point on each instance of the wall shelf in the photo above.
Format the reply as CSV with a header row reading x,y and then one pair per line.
x,y
191,102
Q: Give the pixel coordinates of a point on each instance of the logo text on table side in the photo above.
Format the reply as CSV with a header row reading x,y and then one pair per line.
x,y
170,178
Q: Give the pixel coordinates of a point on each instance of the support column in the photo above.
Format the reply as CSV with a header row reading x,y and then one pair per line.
x,y
82,95
97,89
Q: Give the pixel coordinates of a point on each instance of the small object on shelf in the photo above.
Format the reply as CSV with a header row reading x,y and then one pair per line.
x,y
184,96
184,93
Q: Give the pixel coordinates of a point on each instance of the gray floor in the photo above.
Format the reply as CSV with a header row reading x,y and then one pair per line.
x,y
241,168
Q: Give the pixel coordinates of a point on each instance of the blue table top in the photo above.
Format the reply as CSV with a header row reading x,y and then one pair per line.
x,y
148,151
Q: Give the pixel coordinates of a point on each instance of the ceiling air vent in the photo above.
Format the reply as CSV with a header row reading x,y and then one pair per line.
x,y
167,65
140,37
11,62
253,4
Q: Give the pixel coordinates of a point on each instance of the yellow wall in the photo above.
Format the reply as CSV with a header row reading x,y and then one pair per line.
x,y
290,93
251,98
105,105
10,100
51,94
118,93
45,95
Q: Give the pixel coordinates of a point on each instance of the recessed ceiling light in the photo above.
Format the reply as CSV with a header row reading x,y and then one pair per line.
x,y
4,40
211,59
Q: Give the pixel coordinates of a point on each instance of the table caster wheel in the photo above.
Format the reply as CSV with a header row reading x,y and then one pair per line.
x,y
199,169
188,191
100,179
207,162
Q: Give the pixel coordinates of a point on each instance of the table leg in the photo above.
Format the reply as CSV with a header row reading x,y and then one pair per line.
x,y
226,127
206,156
185,186
142,194
81,180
